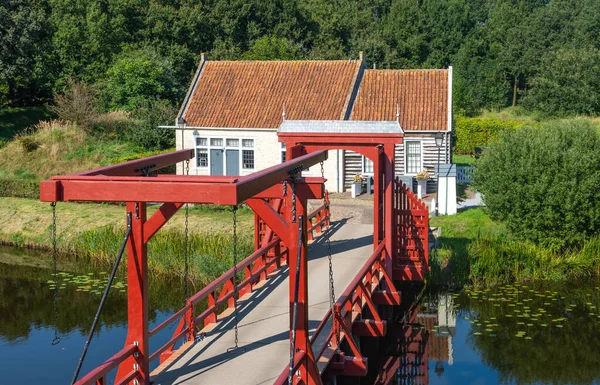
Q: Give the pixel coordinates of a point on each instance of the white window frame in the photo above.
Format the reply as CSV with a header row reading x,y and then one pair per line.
x,y
362,166
283,152
224,147
253,149
406,156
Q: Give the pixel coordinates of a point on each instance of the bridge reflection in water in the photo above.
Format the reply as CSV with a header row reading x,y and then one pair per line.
x,y
421,338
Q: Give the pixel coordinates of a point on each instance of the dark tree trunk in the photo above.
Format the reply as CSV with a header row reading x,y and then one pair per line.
x,y
514,100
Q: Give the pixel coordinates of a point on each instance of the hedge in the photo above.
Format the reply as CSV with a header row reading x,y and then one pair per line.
x,y
20,188
476,132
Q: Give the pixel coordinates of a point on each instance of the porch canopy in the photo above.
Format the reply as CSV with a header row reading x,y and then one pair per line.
x,y
374,139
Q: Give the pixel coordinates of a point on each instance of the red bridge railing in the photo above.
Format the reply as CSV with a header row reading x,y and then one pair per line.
x,y
219,296
411,241
346,320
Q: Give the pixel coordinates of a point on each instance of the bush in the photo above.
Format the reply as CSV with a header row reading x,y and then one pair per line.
x,y
476,132
20,188
76,105
544,182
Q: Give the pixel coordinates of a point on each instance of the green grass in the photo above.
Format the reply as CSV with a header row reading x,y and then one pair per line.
x,y
463,160
27,221
15,120
57,148
474,250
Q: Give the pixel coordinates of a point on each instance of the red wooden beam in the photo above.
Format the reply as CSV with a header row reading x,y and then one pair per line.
x,y
271,217
174,189
141,166
159,219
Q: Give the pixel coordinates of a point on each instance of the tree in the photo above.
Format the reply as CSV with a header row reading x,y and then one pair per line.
x,y
568,83
139,75
23,37
543,181
272,48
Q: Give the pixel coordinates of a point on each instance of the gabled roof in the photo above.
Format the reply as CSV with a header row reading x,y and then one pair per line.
x,y
252,94
421,97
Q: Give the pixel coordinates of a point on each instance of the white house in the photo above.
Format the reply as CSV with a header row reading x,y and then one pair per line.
x,y
233,109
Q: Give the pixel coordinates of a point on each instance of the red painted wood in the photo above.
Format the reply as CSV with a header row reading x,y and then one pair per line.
x,y
134,167
159,219
108,365
137,295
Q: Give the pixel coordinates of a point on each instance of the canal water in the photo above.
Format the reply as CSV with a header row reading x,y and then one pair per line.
x,y
539,333
27,316
515,334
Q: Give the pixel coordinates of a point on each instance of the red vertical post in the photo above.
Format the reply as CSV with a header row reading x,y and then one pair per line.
x,y
377,201
389,205
137,296
302,336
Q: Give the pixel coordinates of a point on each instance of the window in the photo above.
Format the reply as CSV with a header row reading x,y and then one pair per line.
x,y
283,152
201,152
413,157
367,165
242,151
201,157
233,142
247,159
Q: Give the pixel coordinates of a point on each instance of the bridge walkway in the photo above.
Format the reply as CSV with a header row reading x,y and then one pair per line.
x,y
264,318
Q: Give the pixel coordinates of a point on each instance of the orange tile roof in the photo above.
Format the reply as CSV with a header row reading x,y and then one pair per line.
x,y
251,94
421,95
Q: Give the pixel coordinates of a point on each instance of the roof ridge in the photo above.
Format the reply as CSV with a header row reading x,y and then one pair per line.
x,y
407,70
285,61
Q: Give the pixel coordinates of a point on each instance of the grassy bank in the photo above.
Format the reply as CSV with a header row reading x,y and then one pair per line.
x,y
96,231
474,250
55,148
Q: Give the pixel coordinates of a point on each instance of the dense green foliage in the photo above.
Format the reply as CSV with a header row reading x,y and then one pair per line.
x,y
474,250
20,188
544,51
475,132
543,182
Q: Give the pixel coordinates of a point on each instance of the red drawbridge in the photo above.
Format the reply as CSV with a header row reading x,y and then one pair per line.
x,y
283,226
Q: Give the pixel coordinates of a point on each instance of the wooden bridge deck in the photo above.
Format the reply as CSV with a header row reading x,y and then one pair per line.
x,y
264,318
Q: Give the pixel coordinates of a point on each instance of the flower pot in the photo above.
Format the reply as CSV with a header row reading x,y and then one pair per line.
x,y
356,189
421,188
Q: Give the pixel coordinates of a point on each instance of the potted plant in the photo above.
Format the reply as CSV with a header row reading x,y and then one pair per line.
x,y
422,178
357,185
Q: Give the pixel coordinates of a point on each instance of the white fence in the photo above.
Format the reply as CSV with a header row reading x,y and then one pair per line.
x,y
464,174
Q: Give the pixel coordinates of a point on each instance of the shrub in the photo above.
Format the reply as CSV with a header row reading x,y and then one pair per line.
x,y
544,182
28,143
20,188
476,132
76,105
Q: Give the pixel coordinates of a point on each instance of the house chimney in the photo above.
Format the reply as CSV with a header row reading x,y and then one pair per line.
x,y
283,112
361,56
398,113
203,56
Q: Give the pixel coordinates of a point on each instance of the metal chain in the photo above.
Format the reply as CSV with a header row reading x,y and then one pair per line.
x,y
293,202
331,283
235,290
56,339
186,248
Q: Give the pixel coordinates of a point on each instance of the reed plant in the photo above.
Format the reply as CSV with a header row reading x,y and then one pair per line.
x,y
210,254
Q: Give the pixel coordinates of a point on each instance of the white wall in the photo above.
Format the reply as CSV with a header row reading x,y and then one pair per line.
x,y
267,152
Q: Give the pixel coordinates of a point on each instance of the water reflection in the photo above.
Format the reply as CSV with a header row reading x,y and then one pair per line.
x,y
27,316
521,334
